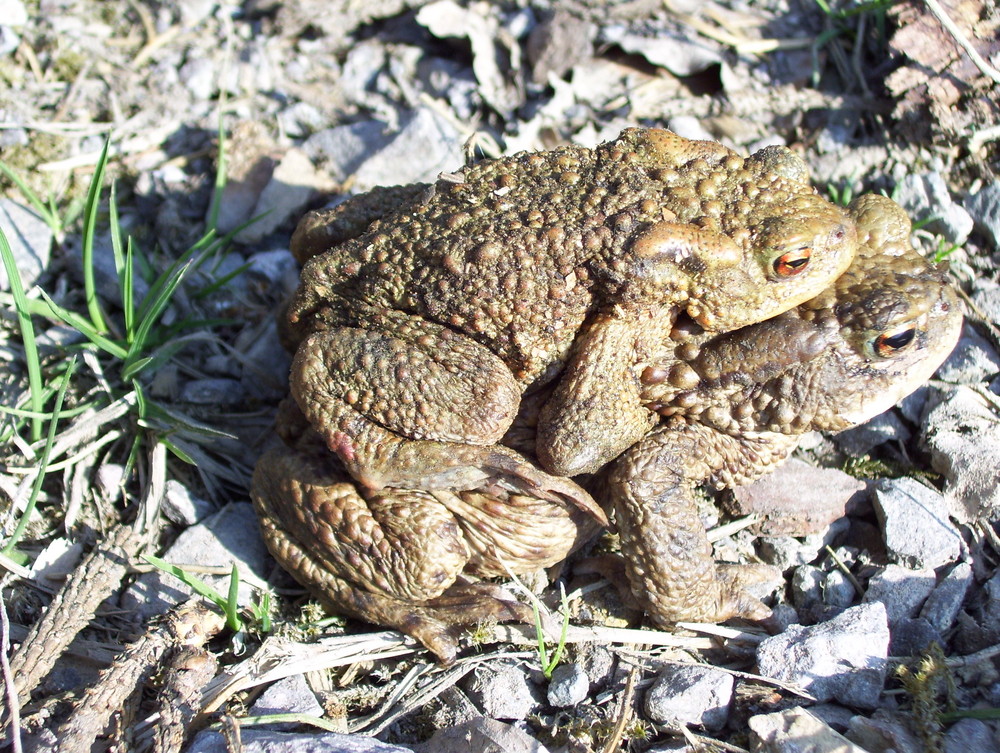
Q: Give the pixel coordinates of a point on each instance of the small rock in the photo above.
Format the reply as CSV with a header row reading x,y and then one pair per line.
x,y
900,590
986,296
833,714
941,607
213,391
861,440
341,150
559,42
665,48
843,658
915,523
275,271
266,363
230,536
690,694
13,12
183,507
973,360
292,185
786,551
807,586
985,210
912,406
838,590
30,240
290,695
913,637
962,434
198,75
884,732
797,499
9,42
926,196
796,731
503,691
426,146
569,686
266,741
481,735
967,735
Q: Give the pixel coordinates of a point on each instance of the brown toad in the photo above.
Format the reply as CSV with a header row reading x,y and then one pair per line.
x,y
737,405
397,557
420,331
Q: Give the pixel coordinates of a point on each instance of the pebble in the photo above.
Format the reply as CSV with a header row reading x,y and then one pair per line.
x,y
9,41
900,590
213,391
265,361
967,735
838,590
913,637
915,524
13,12
884,732
861,440
181,506
986,295
973,360
843,658
289,695
926,196
684,694
797,499
568,687
807,586
341,150
481,735
30,240
962,435
503,691
941,607
268,741
678,55
984,207
292,185
230,536
796,730
787,551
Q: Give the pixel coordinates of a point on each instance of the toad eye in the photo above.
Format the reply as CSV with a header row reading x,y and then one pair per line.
x,y
890,343
793,262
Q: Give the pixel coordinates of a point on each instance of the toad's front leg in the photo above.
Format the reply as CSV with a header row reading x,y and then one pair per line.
x,y
668,558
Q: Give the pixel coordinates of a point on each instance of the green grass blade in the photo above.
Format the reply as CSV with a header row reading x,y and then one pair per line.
x,y
85,328
89,231
123,262
220,177
43,460
197,585
151,316
46,213
232,600
27,334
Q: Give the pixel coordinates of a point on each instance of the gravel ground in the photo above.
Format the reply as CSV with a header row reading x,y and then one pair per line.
x,y
892,609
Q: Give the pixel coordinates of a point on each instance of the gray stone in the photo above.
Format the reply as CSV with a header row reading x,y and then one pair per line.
x,y
838,590
962,435
266,741
884,732
941,607
265,361
973,360
181,506
199,76
213,391
503,691
843,658
30,241
984,207
569,686
912,406
796,731
230,536
926,196
913,637
291,186
13,12
426,146
274,270
915,524
481,735
985,295
690,694
900,590
862,439
786,551
670,50
342,149
9,40
290,695
807,586
967,735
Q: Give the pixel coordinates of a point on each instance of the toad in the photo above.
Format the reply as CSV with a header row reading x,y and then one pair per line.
x,y
401,557
420,326
736,406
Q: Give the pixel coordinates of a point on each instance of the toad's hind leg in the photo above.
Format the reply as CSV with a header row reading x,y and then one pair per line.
x,y
668,557
391,559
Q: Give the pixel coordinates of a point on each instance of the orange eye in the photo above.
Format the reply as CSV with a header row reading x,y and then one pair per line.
x,y
793,262
888,344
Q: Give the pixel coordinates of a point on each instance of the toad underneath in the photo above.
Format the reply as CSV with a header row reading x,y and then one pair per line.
x,y
733,407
